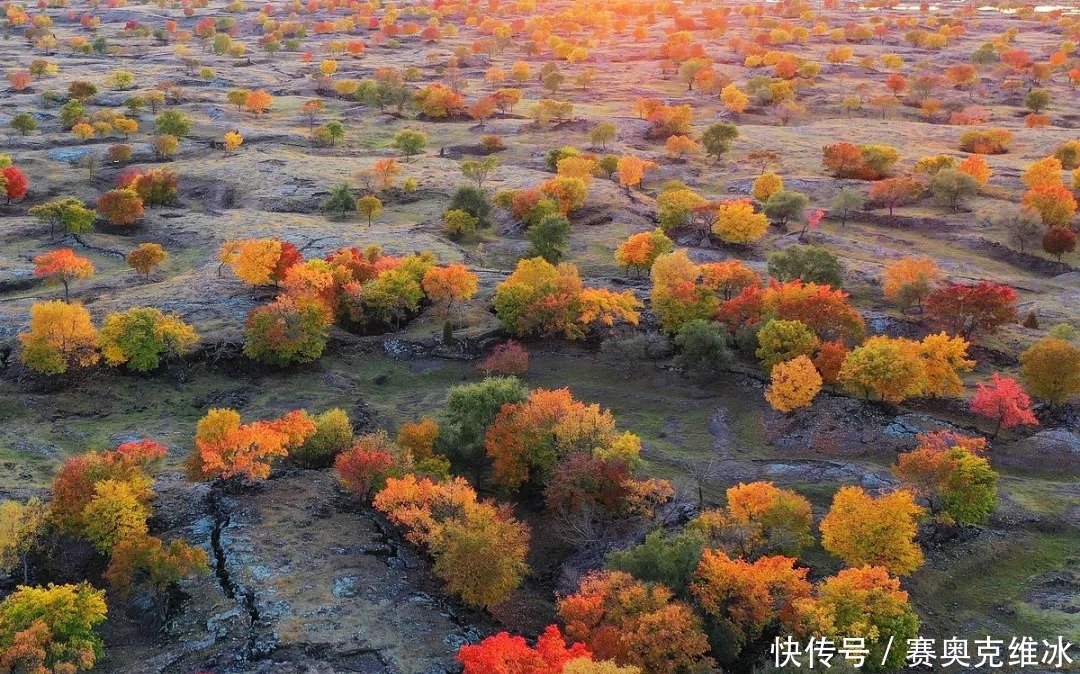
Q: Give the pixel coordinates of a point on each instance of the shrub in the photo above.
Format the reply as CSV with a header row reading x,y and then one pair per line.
x,y
333,434
703,351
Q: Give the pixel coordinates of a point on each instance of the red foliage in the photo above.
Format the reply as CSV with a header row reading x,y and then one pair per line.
x,y
363,469
1004,401
504,654
15,183
509,358
964,309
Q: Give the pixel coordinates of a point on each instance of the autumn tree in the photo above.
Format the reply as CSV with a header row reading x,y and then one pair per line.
x,y
896,192
288,330
14,182
891,368
1050,369
140,337
51,628
632,623
744,599
61,337
866,602
908,281
121,207
479,549
642,249
146,258
481,554
969,309
258,102
526,440
62,267
1055,204
446,285
147,564
1003,401
956,485
737,222
1058,241
863,530
503,654
539,298
632,171
793,384
225,449
20,526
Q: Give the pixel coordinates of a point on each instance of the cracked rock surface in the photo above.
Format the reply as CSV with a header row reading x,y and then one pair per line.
x,y
302,580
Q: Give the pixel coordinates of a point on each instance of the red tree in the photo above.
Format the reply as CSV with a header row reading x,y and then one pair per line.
x,y
504,654
1004,401
964,309
14,183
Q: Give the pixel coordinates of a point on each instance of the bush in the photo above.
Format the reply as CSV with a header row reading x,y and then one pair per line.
x,y
457,222
473,201
950,187
812,264
703,349
550,238
637,347
509,358
333,435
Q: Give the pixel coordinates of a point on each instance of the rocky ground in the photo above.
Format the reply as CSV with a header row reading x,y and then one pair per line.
x,y
303,580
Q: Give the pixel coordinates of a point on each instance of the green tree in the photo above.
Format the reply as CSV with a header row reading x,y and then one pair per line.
x,y
602,134
69,211
812,264
780,340
340,200
846,201
23,122
141,336
703,351
550,238
1037,100
479,170
333,435
369,206
951,187
470,409
473,201
785,205
410,142
172,123
716,140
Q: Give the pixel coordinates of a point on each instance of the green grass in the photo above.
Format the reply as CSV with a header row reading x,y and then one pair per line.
x,y
987,583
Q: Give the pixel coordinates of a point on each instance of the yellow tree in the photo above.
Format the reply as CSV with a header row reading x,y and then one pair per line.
x,y
889,367
61,336
908,281
736,222
861,530
944,357
794,383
